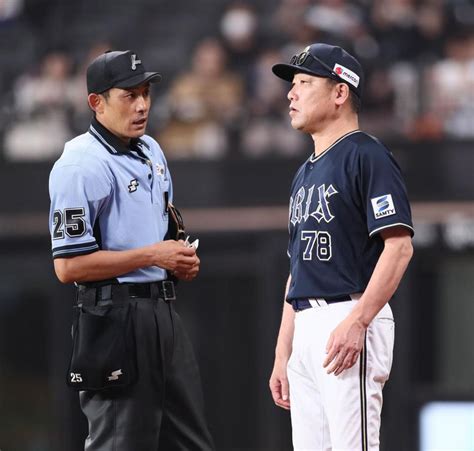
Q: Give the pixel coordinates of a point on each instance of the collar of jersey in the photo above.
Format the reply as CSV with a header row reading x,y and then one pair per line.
x,y
313,158
112,143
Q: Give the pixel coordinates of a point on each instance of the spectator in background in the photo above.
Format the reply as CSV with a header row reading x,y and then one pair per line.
x,y
290,19
432,27
239,28
450,92
205,115
378,117
339,19
205,105
77,93
40,111
10,9
394,26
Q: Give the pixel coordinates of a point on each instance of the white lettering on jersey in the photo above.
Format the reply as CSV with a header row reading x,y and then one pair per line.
x,y
320,213
297,214
383,206
308,204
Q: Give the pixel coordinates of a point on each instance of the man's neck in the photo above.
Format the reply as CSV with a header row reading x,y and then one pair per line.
x,y
125,140
332,132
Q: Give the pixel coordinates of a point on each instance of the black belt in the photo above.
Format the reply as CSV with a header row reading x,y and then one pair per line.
x,y
303,304
92,295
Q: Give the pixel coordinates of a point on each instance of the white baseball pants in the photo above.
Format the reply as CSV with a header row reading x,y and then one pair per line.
x,y
337,413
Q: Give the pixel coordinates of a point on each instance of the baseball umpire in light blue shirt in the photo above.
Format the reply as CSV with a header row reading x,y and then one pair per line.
x,y
110,196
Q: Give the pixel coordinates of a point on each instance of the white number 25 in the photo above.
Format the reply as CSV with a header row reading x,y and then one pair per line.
x,y
76,377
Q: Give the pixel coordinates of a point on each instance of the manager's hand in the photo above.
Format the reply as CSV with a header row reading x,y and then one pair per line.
x,y
279,386
344,346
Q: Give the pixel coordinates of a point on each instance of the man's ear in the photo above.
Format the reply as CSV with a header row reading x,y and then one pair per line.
x,y
342,93
96,102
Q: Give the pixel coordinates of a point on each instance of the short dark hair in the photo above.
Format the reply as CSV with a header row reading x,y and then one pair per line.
x,y
106,94
354,100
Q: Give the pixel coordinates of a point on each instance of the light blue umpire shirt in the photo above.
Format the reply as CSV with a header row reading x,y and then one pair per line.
x,y
109,196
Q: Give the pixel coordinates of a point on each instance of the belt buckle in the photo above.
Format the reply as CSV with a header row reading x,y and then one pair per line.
x,y
169,293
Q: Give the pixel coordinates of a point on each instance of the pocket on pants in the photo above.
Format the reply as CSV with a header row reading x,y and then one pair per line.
x,y
103,349
380,341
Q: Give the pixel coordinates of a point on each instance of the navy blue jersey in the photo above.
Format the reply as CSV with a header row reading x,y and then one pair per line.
x,y
339,202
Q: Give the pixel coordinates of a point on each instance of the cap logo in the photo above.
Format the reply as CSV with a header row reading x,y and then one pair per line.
x,y
135,61
347,74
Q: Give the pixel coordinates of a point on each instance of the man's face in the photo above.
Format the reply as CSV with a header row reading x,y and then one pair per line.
x,y
125,111
310,103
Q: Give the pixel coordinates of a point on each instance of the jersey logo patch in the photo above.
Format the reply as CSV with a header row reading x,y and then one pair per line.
x,y
133,185
160,170
114,376
383,206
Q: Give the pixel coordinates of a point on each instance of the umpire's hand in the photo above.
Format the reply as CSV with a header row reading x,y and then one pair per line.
x,y
178,258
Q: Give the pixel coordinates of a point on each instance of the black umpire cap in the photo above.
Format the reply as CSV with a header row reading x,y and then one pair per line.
x,y
324,60
119,69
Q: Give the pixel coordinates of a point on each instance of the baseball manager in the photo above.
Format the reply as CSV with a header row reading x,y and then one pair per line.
x,y
350,235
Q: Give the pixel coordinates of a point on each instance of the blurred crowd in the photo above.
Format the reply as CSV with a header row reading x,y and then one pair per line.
x,y
224,100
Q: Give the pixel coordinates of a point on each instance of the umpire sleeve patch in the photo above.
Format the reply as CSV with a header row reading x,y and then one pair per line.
x,y
383,206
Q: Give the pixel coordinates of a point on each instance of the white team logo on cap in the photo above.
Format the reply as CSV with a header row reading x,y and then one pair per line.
x,y
135,61
383,206
347,74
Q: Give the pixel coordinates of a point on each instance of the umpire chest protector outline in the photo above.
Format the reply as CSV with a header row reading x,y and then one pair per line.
x,y
340,200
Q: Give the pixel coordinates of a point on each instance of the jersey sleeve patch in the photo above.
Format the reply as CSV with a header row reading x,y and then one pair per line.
x,y
383,206
382,188
77,196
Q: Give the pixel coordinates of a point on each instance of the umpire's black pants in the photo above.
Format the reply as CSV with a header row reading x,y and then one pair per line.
x,y
163,410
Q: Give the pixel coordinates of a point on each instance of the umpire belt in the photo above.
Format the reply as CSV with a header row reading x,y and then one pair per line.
x,y
303,304
93,295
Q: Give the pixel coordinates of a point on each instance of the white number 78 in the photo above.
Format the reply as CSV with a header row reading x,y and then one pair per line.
x,y
322,240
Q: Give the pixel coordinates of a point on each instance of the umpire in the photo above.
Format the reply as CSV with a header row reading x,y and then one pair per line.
x,y
111,192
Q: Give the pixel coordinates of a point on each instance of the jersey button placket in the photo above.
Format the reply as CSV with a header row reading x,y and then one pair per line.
x,y
150,177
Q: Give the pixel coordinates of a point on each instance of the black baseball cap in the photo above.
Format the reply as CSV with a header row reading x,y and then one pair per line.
x,y
118,69
324,60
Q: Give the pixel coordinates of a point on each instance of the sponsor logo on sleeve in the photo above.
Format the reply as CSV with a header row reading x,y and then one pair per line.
x,y
383,206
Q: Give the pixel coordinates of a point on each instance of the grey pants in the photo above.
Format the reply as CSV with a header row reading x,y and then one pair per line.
x,y
163,410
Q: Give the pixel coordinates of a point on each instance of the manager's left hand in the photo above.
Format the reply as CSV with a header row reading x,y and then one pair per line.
x,y
344,346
